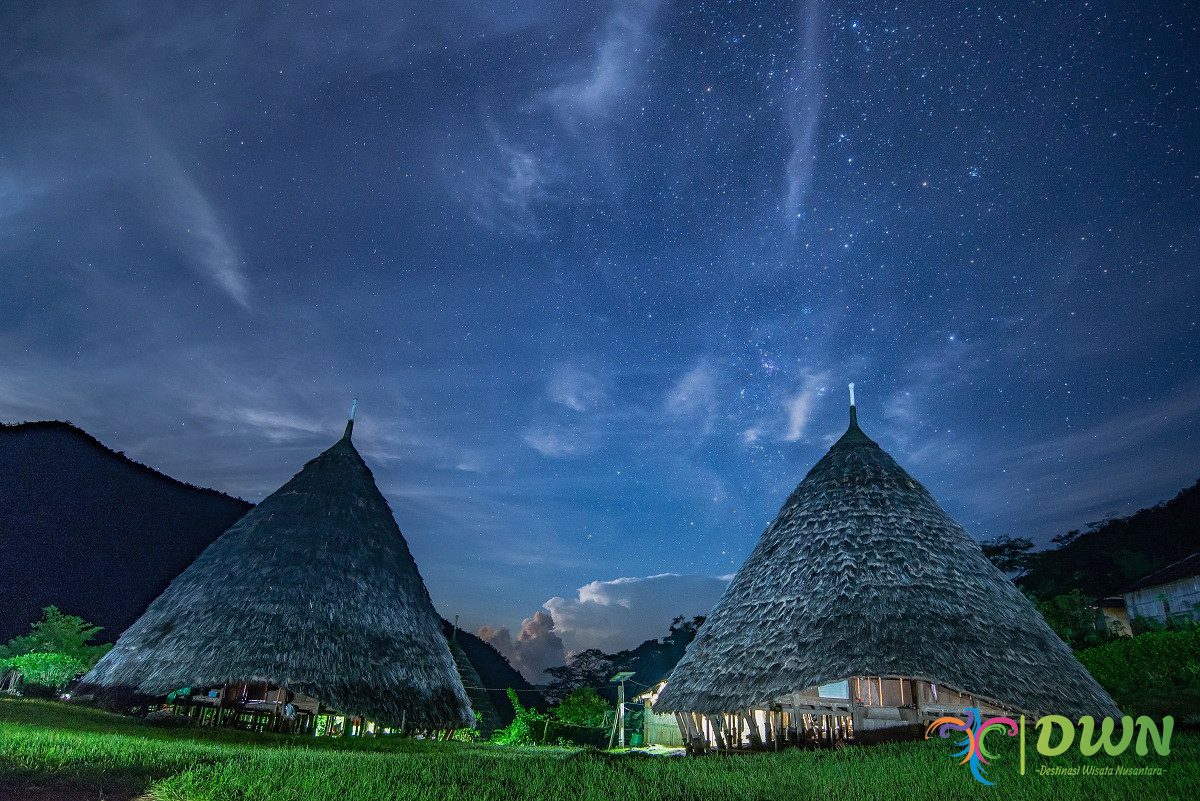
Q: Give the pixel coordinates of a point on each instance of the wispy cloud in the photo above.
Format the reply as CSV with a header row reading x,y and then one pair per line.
x,y
273,425
192,223
612,70
694,397
557,444
576,389
799,407
804,100
511,191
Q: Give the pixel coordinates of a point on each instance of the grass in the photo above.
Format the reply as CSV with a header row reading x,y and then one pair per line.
x,y
46,743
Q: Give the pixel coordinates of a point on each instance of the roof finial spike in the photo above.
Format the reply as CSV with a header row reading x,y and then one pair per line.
x,y
354,403
851,394
350,422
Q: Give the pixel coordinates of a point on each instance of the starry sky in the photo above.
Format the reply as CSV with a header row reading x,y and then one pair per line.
x,y
599,272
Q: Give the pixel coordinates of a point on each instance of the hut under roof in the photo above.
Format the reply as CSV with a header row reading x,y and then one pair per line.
x,y
313,592
865,607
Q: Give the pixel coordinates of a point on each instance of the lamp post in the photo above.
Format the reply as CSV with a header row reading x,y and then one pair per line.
x,y
619,723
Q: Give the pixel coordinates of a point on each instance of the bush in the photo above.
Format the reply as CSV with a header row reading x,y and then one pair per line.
x,y
527,727
1154,674
583,707
466,735
1074,619
50,671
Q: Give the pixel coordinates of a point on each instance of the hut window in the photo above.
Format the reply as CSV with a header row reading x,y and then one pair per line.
x,y
839,689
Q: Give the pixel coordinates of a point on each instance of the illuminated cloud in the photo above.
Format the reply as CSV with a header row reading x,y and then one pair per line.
x,y
536,648
803,103
624,612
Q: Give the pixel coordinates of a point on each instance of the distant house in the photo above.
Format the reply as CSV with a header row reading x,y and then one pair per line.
x,y
1172,592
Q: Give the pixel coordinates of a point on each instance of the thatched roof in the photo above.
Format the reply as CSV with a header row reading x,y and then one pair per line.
x,y
314,590
486,718
863,574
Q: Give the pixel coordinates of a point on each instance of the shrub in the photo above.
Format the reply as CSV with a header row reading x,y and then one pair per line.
x,y
583,707
527,727
466,735
1073,618
51,671
1157,673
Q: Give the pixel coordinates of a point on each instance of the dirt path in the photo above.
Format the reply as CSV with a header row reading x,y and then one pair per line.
x,y
20,791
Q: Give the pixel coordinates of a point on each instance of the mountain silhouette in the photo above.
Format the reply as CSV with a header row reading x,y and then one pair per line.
x,y
91,531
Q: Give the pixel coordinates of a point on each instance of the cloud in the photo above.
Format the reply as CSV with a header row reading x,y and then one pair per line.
x,y
556,444
17,195
275,426
612,70
193,224
751,435
803,105
799,407
576,389
536,648
510,195
695,396
624,612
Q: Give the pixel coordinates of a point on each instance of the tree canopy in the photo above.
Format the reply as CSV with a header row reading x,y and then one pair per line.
x,y
57,633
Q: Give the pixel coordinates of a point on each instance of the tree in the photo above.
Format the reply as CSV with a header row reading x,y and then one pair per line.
x,y
1009,554
1063,540
682,632
590,668
1074,619
57,633
583,707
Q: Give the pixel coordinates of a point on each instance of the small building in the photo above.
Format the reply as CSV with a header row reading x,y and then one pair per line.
x,y
1172,593
865,612
311,600
658,729
1113,615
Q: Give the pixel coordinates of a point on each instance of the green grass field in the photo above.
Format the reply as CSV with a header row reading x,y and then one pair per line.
x,y
74,752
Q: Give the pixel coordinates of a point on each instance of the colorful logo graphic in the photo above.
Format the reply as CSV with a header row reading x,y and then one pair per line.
x,y
975,728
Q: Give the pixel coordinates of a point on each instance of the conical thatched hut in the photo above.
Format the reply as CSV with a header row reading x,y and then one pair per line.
x,y
864,607
312,594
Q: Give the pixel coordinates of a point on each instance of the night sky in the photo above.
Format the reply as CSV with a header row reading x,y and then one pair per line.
x,y
599,273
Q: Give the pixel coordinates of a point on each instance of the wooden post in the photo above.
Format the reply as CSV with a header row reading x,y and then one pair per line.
x,y
683,732
621,710
755,734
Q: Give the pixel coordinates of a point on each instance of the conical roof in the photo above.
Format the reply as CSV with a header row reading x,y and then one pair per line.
x,y
863,574
313,590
